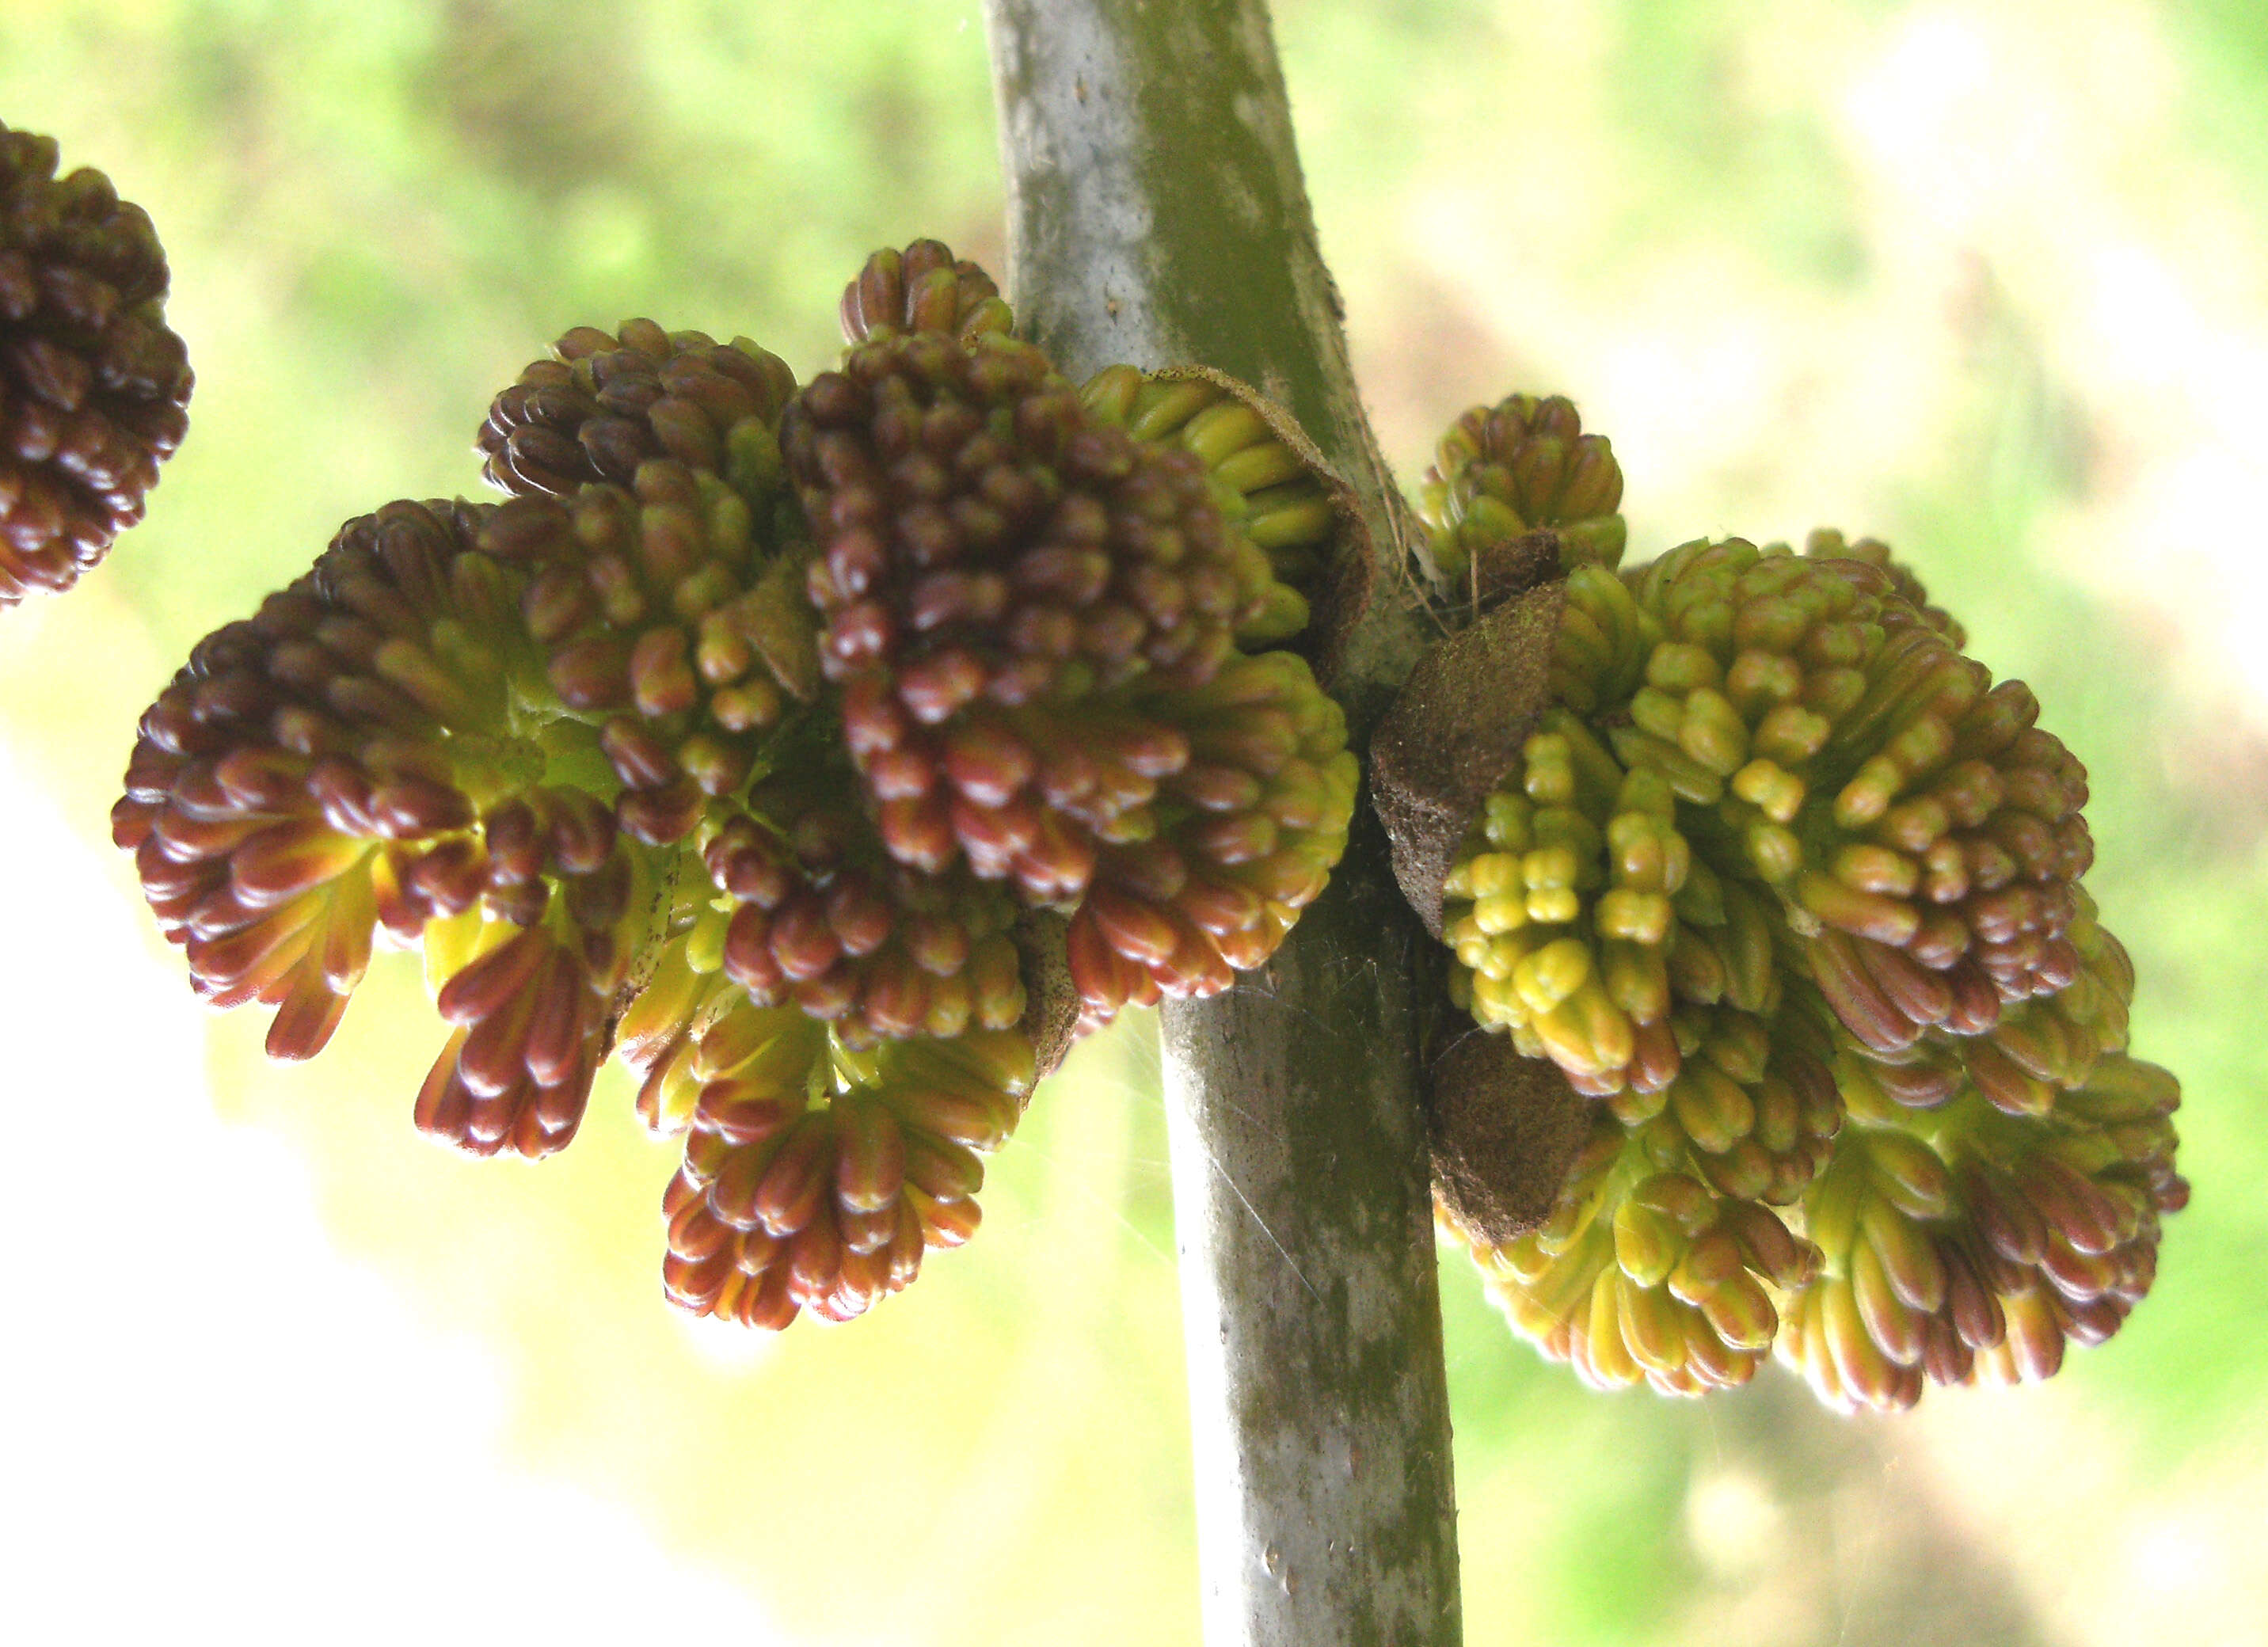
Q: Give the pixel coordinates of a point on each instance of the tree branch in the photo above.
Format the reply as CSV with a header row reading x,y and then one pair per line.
x,y
1157,217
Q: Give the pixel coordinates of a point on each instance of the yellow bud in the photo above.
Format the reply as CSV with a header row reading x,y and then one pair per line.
x,y
1551,973
1650,1326
1741,1314
1222,428
1774,852
1646,1243
1550,777
1553,905
1658,713
1715,1110
1636,840
1863,913
1759,681
1506,821
704,945
1286,517
1492,875
1503,913
1831,1216
1909,1173
671,1092
1712,732
1792,734
1588,1033
1770,789
1638,981
1909,1259
1283,613
1264,464
1687,777
1745,946
1858,1361
1641,917
1677,667
1610,1357
1495,1002
1895,1328
1504,953
1877,869
1867,795
1159,408
1550,867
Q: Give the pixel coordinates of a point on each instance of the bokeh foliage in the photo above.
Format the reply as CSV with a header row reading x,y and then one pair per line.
x,y
1686,215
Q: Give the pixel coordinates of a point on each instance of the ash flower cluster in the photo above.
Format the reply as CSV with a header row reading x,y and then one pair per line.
x,y
745,743
1790,888
94,390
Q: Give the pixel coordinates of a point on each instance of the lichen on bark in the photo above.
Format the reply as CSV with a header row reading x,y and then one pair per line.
x,y
1158,217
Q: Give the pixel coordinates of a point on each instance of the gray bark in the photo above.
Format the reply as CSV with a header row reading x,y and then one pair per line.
x,y
1157,217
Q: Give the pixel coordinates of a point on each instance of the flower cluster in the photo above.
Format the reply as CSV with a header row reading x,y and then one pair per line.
x,y
745,742
1271,490
1522,464
783,1203
349,763
1792,889
93,388
1038,621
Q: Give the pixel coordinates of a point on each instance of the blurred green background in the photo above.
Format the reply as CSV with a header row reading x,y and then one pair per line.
x,y
1989,281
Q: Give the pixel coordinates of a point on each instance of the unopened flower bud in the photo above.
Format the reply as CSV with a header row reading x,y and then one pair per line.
x,y
94,387
923,288
1519,466
605,405
782,1206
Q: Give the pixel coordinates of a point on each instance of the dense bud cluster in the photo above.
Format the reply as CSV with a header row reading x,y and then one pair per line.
x,y
1752,1110
531,1005
1827,544
1926,834
1268,489
1036,616
663,619
1855,778
1519,466
815,1173
604,403
1598,1006
815,915
1647,1274
1792,887
757,785
814,1177
1242,837
94,387
923,289
1678,1189
1968,1241
345,764
983,540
